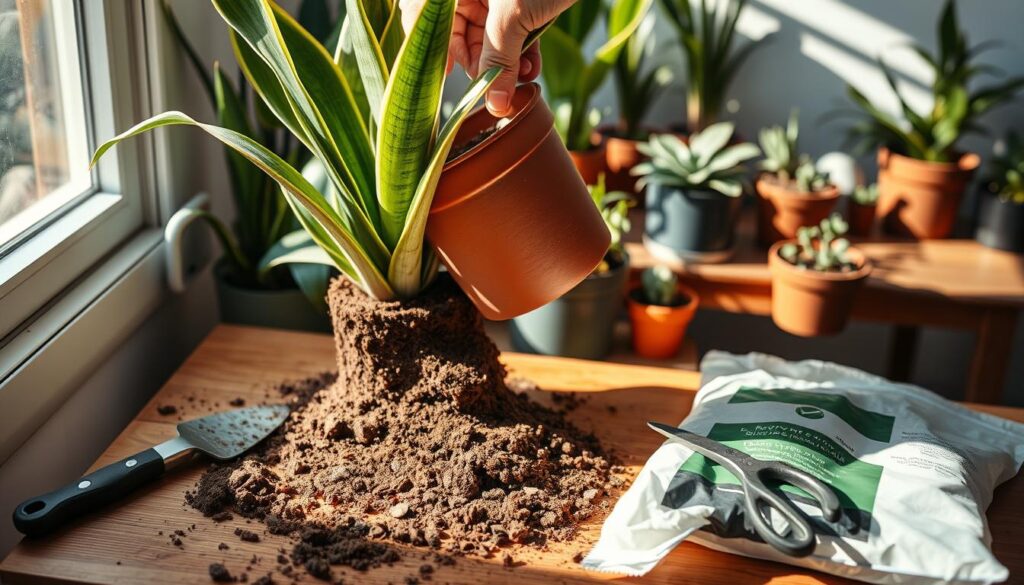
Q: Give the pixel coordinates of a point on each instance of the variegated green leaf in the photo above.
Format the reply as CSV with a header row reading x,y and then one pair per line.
x,y
373,69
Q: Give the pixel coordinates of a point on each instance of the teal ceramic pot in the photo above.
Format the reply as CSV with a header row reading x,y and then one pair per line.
x,y
278,309
1000,223
578,324
689,225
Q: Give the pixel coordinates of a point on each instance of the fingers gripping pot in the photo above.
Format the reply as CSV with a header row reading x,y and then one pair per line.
x,y
511,219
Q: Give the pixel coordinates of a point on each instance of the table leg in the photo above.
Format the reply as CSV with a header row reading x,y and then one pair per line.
x,y
903,353
992,349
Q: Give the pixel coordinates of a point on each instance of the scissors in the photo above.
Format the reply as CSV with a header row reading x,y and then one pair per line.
x,y
752,473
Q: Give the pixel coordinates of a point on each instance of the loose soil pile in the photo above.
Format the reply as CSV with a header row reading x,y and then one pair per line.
x,y
418,441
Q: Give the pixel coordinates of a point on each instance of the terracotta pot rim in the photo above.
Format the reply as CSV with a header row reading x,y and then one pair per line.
x,y
515,120
829,192
692,304
780,266
966,162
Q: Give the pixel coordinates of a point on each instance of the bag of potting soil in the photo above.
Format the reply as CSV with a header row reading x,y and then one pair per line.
x,y
914,473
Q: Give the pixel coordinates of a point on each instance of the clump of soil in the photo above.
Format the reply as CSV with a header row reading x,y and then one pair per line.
x,y
419,441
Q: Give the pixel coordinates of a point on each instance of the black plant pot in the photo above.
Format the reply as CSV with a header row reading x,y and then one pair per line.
x,y
689,225
578,324
1000,223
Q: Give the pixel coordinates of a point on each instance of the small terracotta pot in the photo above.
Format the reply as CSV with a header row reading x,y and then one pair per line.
x,y
621,155
811,303
511,218
861,218
919,198
782,211
589,163
659,331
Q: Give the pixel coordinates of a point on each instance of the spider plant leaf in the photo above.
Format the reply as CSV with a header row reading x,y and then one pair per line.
x,y
360,249
373,69
410,113
406,270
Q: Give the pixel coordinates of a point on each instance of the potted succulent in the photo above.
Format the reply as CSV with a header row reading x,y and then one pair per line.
x,y
922,174
791,191
637,86
254,285
581,323
1001,200
861,209
693,193
660,310
815,279
706,31
570,81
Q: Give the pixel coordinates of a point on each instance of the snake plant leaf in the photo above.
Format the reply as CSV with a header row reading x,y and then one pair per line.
x,y
917,122
563,64
245,178
364,259
345,58
373,69
315,17
579,20
409,116
393,36
263,80
887,122
405,273
309,264
190,51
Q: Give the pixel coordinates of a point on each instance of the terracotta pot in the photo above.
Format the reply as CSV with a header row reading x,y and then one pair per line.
x,y
810,303
589,163
659,331
919,198
782,211
511,218
621,155
861,218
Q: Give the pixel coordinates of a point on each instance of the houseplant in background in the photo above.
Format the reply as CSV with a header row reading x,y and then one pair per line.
x,y
570,81
922,175
252,289
660,310
791,191
581,322
815,279
706,32
861,209
1001,199
693,193
637,86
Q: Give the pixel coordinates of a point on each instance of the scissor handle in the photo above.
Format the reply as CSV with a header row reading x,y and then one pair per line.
x,y
800,541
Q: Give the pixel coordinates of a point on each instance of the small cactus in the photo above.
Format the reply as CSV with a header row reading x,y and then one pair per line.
x,y
865,194
660,286
820,247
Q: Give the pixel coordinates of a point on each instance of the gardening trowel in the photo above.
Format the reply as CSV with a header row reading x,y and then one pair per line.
x,y
222,436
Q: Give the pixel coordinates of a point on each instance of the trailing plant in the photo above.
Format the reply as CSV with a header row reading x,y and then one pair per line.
x,y
708,162
614,207
368,110
706,33
570,81
660,286
636,84
1007,171
866,194
784,159
821,247
932,136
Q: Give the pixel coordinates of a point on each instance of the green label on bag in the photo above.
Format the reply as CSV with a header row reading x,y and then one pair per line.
x,y
873,425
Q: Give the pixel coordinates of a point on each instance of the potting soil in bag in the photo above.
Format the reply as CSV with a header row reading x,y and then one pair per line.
x,y
914,473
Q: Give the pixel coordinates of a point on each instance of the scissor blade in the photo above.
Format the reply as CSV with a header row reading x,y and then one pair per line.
x,y
710,448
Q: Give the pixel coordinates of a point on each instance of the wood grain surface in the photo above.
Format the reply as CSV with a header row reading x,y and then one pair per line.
x,y
124,544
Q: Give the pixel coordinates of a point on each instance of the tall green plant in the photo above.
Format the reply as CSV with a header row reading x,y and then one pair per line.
x,y
637,84
706,34
569,80
368,110
956,105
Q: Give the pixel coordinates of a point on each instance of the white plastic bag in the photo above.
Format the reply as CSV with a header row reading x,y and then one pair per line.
x,y
915,473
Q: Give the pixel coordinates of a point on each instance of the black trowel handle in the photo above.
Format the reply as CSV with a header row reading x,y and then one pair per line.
x,y
44,513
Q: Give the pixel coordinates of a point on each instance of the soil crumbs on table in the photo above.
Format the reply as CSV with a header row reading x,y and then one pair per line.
x,y
353,472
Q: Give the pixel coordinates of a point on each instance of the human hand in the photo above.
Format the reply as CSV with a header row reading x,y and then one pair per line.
x,y
491,33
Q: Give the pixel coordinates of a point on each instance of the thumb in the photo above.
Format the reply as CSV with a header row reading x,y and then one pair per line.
x,y
504,36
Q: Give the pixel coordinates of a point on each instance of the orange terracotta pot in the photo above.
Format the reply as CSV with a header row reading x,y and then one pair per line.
x,y
810,303
621,155
861,218
919,198
511,218
782,211
589,163
659,331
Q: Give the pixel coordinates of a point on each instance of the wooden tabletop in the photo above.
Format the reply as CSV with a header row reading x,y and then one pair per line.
x,y
123,544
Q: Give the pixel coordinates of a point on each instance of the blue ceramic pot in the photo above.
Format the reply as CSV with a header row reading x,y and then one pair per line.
x,y
689,225
1000,223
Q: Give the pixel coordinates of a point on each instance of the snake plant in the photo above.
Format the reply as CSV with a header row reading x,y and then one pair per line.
x,y
636,84
706,163
956,105
368,109
783,158
706,32
569,80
